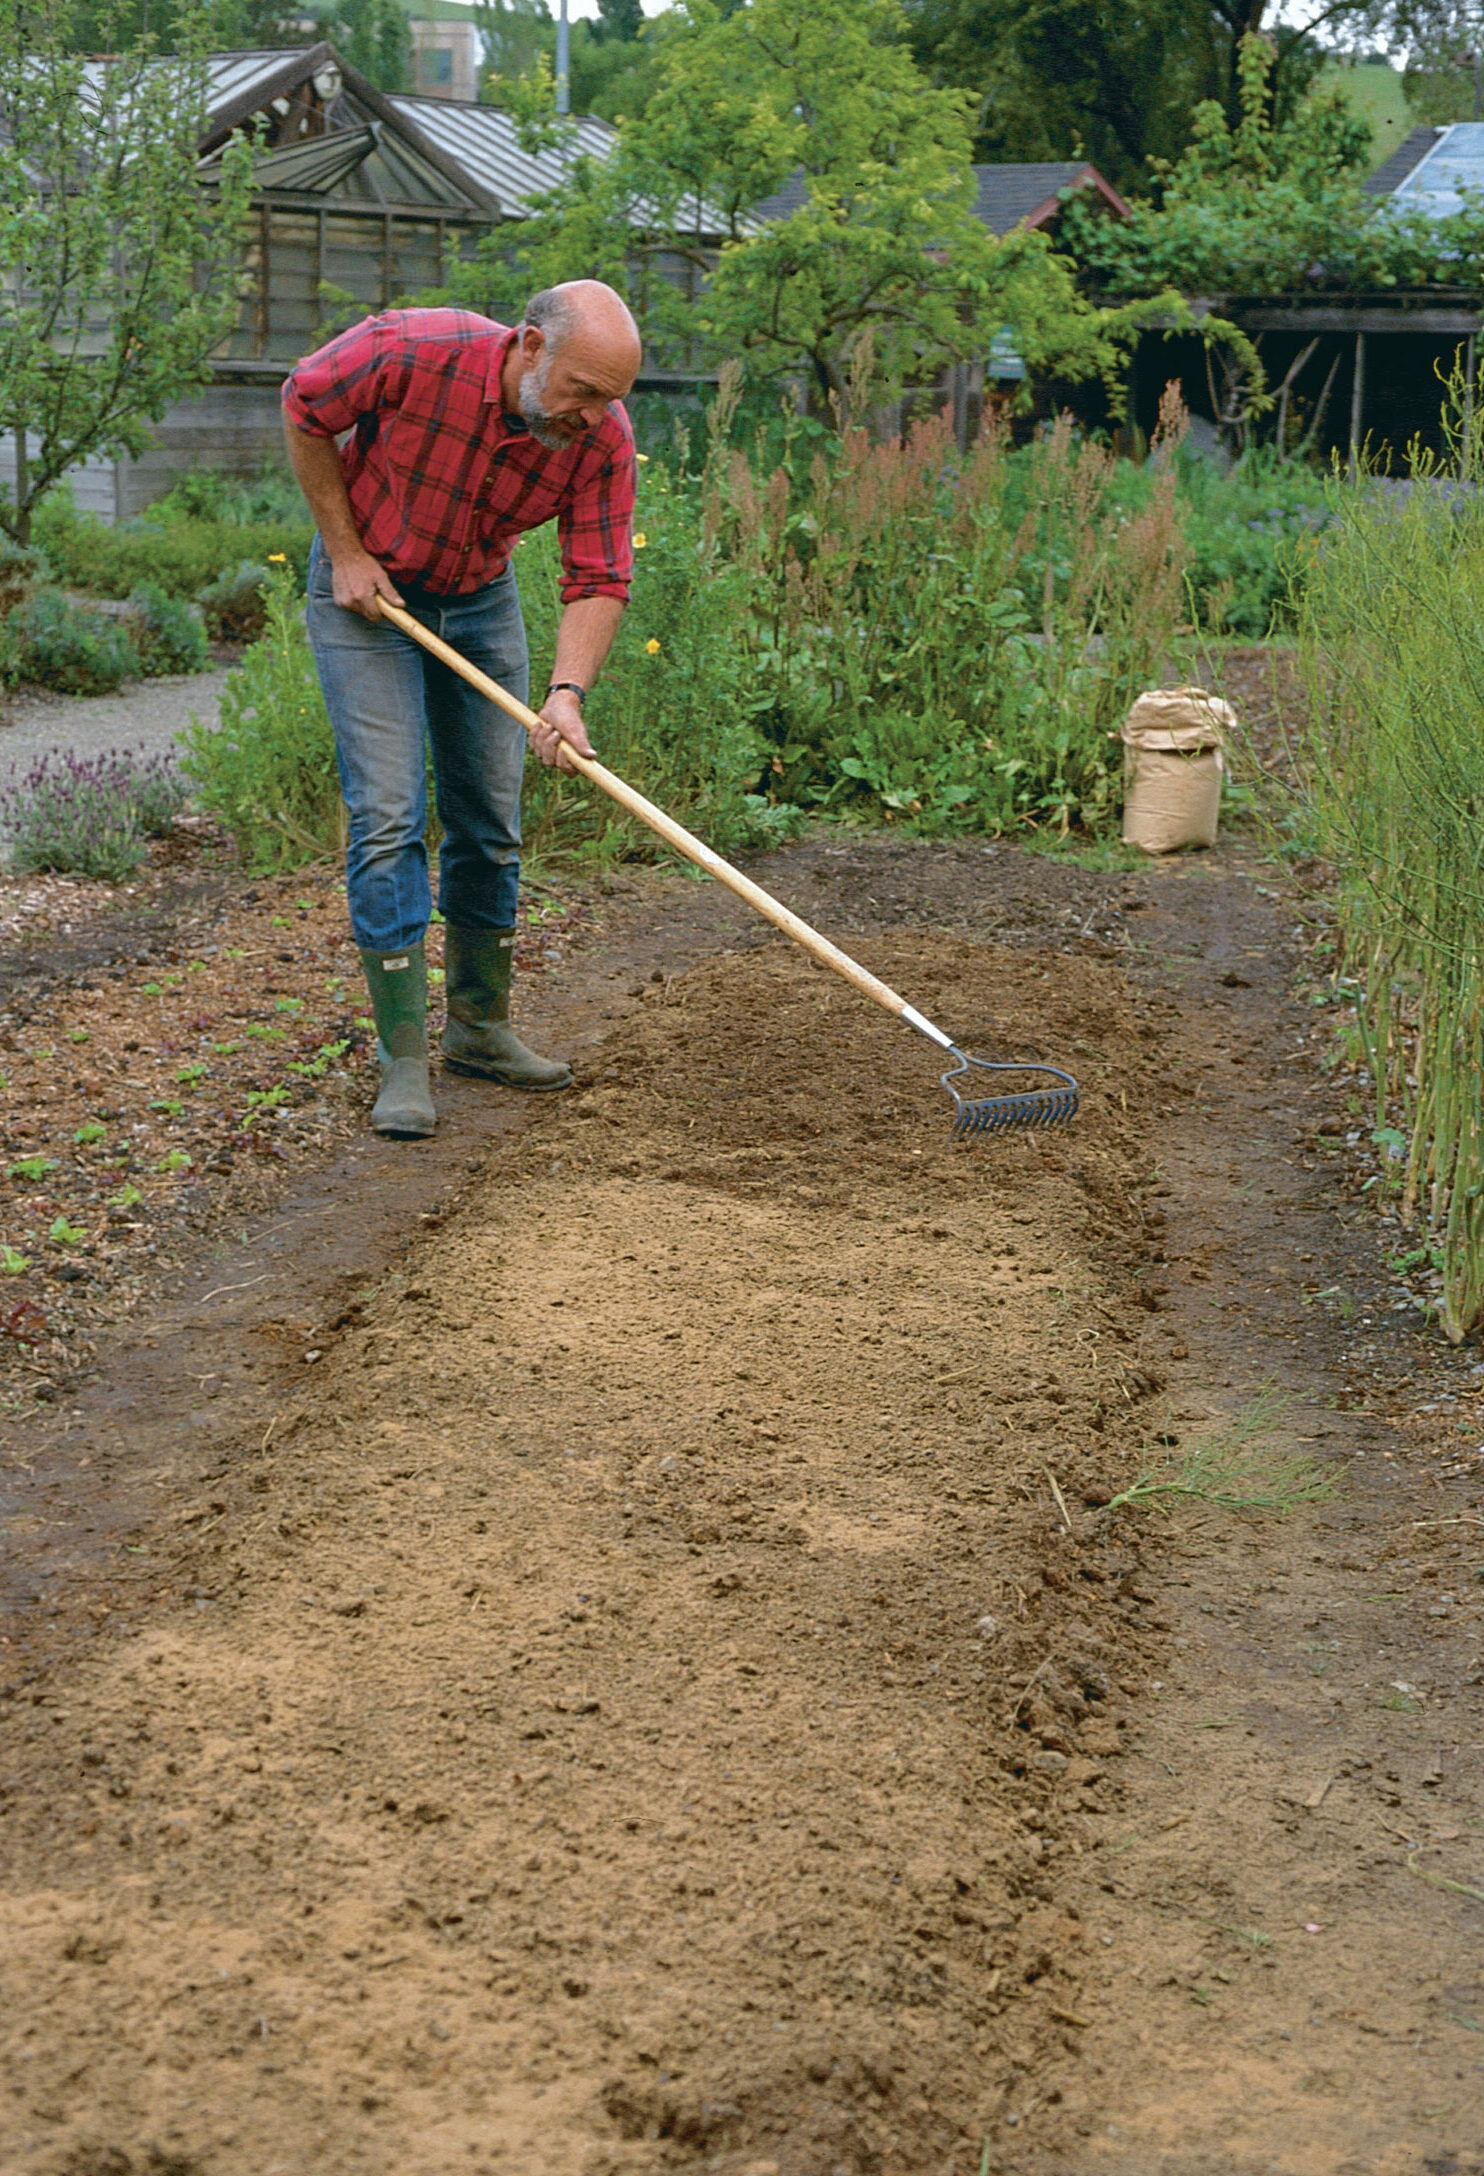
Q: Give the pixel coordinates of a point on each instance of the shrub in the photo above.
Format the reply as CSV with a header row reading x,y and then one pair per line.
x,y
233,604
268,770
167,634
20,572
181,553
1247,531
1391,786
211,494
90,816
62,645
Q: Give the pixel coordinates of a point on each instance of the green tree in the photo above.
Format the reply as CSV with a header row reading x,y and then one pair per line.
x,y
514,33
621,18
1055,79
1116,81
1268,208
373,35
118,268
113,26
824,94
612,73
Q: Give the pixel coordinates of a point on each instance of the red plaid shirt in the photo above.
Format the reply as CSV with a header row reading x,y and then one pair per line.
x,y
441,480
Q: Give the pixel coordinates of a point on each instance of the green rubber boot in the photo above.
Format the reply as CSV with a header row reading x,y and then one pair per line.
x,y
398,982
479,1038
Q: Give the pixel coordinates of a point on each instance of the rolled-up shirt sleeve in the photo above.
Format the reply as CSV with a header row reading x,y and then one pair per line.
x,y
596,527
360,370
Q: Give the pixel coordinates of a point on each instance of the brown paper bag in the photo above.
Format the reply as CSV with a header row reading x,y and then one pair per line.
x,y
1173,764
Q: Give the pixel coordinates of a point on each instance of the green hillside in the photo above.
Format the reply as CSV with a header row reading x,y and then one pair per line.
x,y
1375,91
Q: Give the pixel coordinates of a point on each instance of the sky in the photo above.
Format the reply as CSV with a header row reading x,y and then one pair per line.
x,y
589,8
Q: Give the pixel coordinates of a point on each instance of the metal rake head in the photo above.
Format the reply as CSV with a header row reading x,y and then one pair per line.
x,y
1020,1112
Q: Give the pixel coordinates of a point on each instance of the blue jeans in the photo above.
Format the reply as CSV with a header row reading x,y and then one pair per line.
x,y
387,698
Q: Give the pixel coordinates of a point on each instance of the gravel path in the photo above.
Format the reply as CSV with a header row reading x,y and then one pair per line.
x,y
153,713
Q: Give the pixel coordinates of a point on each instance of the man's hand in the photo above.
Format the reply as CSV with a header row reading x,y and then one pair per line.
x,y
561,720
359,581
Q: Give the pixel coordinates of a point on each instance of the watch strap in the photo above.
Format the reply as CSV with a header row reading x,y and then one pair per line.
x,y
571,688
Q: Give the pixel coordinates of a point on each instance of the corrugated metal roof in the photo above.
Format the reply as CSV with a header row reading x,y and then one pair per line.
x,y
484,142
229,76
1454,163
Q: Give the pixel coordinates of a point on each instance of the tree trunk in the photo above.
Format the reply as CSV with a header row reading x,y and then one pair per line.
x,y
22,488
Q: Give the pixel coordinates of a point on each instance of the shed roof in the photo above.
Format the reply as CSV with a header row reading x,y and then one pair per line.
x,y
1393,172
1433,168
1005,196
485,144
356,149
1031,195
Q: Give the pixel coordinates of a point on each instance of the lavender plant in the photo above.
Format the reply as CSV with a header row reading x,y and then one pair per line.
x,y
90,816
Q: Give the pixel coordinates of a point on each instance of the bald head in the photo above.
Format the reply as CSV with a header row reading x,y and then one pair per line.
x,y
578,350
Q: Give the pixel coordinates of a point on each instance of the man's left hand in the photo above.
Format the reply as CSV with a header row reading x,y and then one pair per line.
x,y
561,720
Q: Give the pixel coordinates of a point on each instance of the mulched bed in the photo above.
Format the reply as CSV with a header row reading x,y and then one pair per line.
x,y
170,1050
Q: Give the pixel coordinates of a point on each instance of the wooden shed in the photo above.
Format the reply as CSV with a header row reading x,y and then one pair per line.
x,y
359,199
1366,372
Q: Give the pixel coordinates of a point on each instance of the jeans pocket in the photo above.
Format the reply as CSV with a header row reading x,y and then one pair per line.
x,y
321,582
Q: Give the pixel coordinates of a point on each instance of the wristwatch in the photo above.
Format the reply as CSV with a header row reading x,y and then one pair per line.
x,y
570,687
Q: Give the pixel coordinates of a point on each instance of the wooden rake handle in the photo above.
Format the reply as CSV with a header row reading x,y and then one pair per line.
x,y
685,842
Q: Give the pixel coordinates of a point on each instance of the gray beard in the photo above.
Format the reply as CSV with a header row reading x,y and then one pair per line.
x,y
533,415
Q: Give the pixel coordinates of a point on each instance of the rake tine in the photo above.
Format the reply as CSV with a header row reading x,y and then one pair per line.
x,y
1028,1110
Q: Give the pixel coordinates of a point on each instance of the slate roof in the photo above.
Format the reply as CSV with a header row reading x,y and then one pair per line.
x,y
1408,154
790,198
1013,196
1006,196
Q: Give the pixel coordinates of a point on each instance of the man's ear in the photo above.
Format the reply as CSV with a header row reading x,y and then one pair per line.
x,y
532,344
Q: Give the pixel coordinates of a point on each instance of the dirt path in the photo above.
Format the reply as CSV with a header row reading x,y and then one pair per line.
x,y
579,1666
1276,1988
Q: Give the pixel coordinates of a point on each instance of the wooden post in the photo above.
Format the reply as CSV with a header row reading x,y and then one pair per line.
x,y
264,324
958,395
976,397
1357,403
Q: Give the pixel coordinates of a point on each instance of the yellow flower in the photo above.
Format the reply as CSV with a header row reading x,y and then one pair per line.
x,y
652,647
640,540
641,456
278,559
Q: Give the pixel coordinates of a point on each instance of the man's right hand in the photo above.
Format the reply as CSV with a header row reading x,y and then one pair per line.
x,y
359,580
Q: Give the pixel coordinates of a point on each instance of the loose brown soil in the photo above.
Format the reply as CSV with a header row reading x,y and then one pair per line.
x,y
594,1644
168,1051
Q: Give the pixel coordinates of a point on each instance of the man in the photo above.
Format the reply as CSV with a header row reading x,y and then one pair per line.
x,y
462,435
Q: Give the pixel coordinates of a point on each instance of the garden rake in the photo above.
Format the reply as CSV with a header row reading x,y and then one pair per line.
x,y
1019,1109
